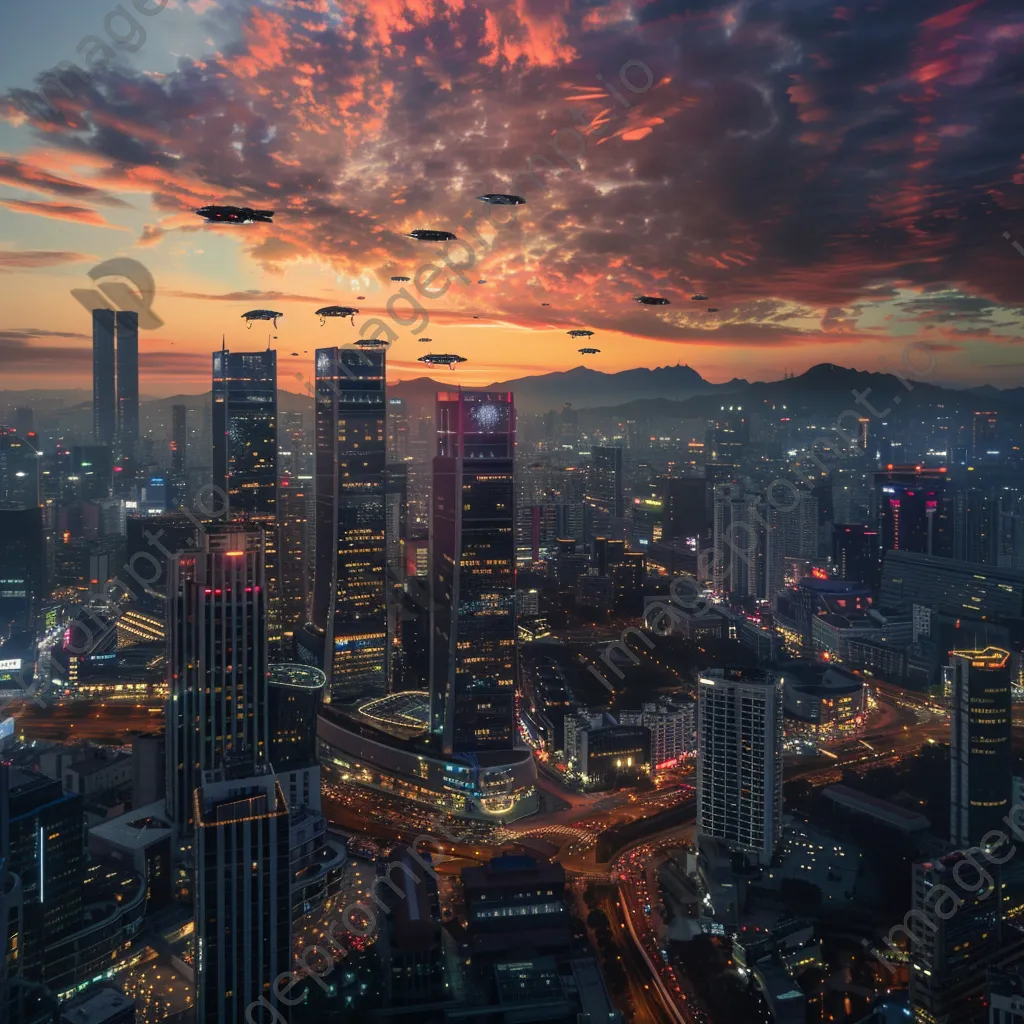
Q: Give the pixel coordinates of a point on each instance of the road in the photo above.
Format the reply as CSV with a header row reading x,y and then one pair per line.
x,y
107,722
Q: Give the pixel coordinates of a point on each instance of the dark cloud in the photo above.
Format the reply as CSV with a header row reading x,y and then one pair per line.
x,y
29,176
31,259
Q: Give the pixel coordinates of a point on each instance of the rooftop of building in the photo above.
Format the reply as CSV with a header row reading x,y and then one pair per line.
x,y
139,828
877,808
299,677
511,869
96,1005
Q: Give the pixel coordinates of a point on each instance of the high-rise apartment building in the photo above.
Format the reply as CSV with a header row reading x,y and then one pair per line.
x,y
739,759
293,539
980,751
472,573
115,378
242,897
349,618
604,483
217,660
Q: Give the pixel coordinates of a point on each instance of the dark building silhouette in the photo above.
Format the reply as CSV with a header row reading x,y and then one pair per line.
x,y
472,573
179,437
126,325
980,752
104,378
915,510
857,553
294,697
115,378
22,568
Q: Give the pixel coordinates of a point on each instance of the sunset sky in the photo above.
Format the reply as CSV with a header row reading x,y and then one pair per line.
x,y
837,178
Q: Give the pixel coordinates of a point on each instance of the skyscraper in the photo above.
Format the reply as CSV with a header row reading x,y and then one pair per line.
x,y
126,324
604,486
350,580
980,750
245,431
739,759
179,437
293,537
19,470
472,573
242,898
104,388
217,660
915,511
115,378
245,455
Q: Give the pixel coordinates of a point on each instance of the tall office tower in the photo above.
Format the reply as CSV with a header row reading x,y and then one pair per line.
x,y
857,553
949,951
216,661
739,759
291,445
980,749
736,556
293,537
245,455
19,471
726,444
104,388
976,525
24,421
46,850
115,378
350,580
915,510
671,509
126,324
245,431
472,573
984,436
242,898
397,498
398,430
179,437
22,568
604,487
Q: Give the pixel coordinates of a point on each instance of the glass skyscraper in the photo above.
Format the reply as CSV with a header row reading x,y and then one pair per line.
x,y
245,455
350,578
472,573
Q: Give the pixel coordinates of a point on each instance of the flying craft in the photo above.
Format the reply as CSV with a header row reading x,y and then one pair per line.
x,y
698,298
430,235
426,339
589,351
651,300
260,314
712,309
360,297
579,332
326,311
501,199
400,277
442,360
372,343
235,215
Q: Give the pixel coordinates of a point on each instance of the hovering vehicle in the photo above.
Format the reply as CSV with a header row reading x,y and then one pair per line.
x,y
327,311
235,215
712,309
501,199
698,298
589,351
442,360
400,277
360,296
482,281
579,332
430,235
260,314
372,343
651,300
426,339
545,303
295,353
